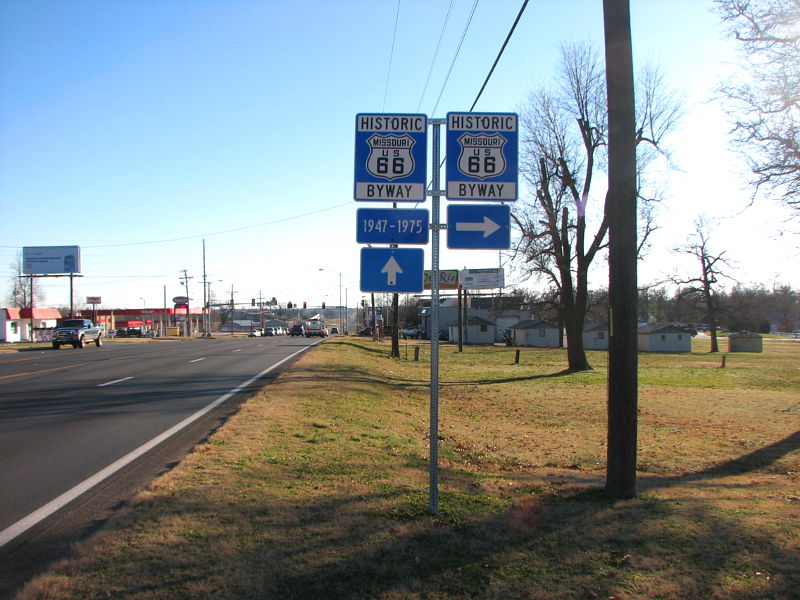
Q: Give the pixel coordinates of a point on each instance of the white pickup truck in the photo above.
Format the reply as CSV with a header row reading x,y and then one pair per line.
x,y
77,333
316,328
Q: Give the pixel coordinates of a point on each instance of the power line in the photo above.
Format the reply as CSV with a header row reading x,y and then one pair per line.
x,y
391,56
436,53
499,54
496,60
200,235
455,56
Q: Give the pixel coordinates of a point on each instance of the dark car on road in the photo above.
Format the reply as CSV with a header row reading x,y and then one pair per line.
x,y
297,330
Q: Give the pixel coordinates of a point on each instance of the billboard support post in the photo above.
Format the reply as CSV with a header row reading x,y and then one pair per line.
x,y
31,303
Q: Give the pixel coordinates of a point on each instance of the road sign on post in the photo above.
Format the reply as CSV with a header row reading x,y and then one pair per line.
x,y
482,279
479,226
482,156
392,269
392,226
391,157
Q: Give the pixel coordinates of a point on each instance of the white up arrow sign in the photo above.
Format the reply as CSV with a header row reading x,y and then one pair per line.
x,y
488,227
391,268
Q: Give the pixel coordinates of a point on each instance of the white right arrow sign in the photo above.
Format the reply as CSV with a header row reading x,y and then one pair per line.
x,y
487,226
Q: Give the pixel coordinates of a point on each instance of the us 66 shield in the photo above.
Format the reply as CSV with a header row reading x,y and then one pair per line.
x,y
482,156
391,157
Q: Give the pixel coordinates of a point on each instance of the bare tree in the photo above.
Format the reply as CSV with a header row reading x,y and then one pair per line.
x,y
563,147
19,292
705,285
765,102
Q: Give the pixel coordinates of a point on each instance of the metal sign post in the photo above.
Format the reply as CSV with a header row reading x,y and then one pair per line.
x,y
433,499
390,161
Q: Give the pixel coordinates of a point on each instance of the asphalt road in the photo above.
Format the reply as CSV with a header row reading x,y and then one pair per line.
x,y
74,423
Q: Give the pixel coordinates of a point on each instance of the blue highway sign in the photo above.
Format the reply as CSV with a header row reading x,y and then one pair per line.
x,y
482,156
391,157
479,226
392,269
392,225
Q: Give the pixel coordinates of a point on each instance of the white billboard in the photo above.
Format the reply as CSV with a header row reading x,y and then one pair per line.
x,y
482,279
51,260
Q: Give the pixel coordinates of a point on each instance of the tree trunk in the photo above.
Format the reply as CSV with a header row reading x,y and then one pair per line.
x,y
576,354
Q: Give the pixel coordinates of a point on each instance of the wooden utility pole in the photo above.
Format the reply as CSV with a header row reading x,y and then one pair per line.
x,y
622,253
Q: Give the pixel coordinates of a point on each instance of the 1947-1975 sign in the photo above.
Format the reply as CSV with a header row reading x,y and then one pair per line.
x,y
391,157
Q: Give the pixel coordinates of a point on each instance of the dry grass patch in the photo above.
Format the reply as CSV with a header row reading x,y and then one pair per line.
x,y
318,487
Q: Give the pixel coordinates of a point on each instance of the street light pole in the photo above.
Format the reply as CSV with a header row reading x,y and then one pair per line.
x,y
186,278
341,323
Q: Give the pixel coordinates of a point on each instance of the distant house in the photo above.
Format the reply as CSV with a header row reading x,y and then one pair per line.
x,y
539,334
595,336
15,323
478,331
664,338
238,325
276,323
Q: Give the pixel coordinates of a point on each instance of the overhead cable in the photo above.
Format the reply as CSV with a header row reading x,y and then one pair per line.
x,y
499,54
436,53
391,56
455,56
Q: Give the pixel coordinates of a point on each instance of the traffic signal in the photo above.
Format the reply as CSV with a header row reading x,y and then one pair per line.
x,y
304,305
253,302
288,305
323,306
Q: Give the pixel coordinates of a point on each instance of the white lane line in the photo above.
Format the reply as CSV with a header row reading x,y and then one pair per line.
x,y
237,350
25,523
196,360
113,382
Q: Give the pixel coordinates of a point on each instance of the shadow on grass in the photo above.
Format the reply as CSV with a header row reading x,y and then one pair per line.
x,y
757,460
571,545
373,350
334,375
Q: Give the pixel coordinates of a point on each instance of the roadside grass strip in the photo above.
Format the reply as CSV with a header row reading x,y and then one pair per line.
x,y
317,488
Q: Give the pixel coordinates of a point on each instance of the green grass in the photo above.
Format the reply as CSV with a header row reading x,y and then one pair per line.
x,y
319,487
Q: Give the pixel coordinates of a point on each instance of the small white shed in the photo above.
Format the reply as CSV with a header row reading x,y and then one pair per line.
x,y
595,336
478,331
664,338
535,333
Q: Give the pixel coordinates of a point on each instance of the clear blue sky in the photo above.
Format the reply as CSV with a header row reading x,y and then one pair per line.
x,y
136,129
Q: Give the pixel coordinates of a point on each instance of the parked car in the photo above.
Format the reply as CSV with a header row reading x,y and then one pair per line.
x,y
269,331
365,331
254,333
411,333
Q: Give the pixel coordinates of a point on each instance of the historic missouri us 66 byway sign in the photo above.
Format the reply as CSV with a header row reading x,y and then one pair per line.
x,y
391,157
482,156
